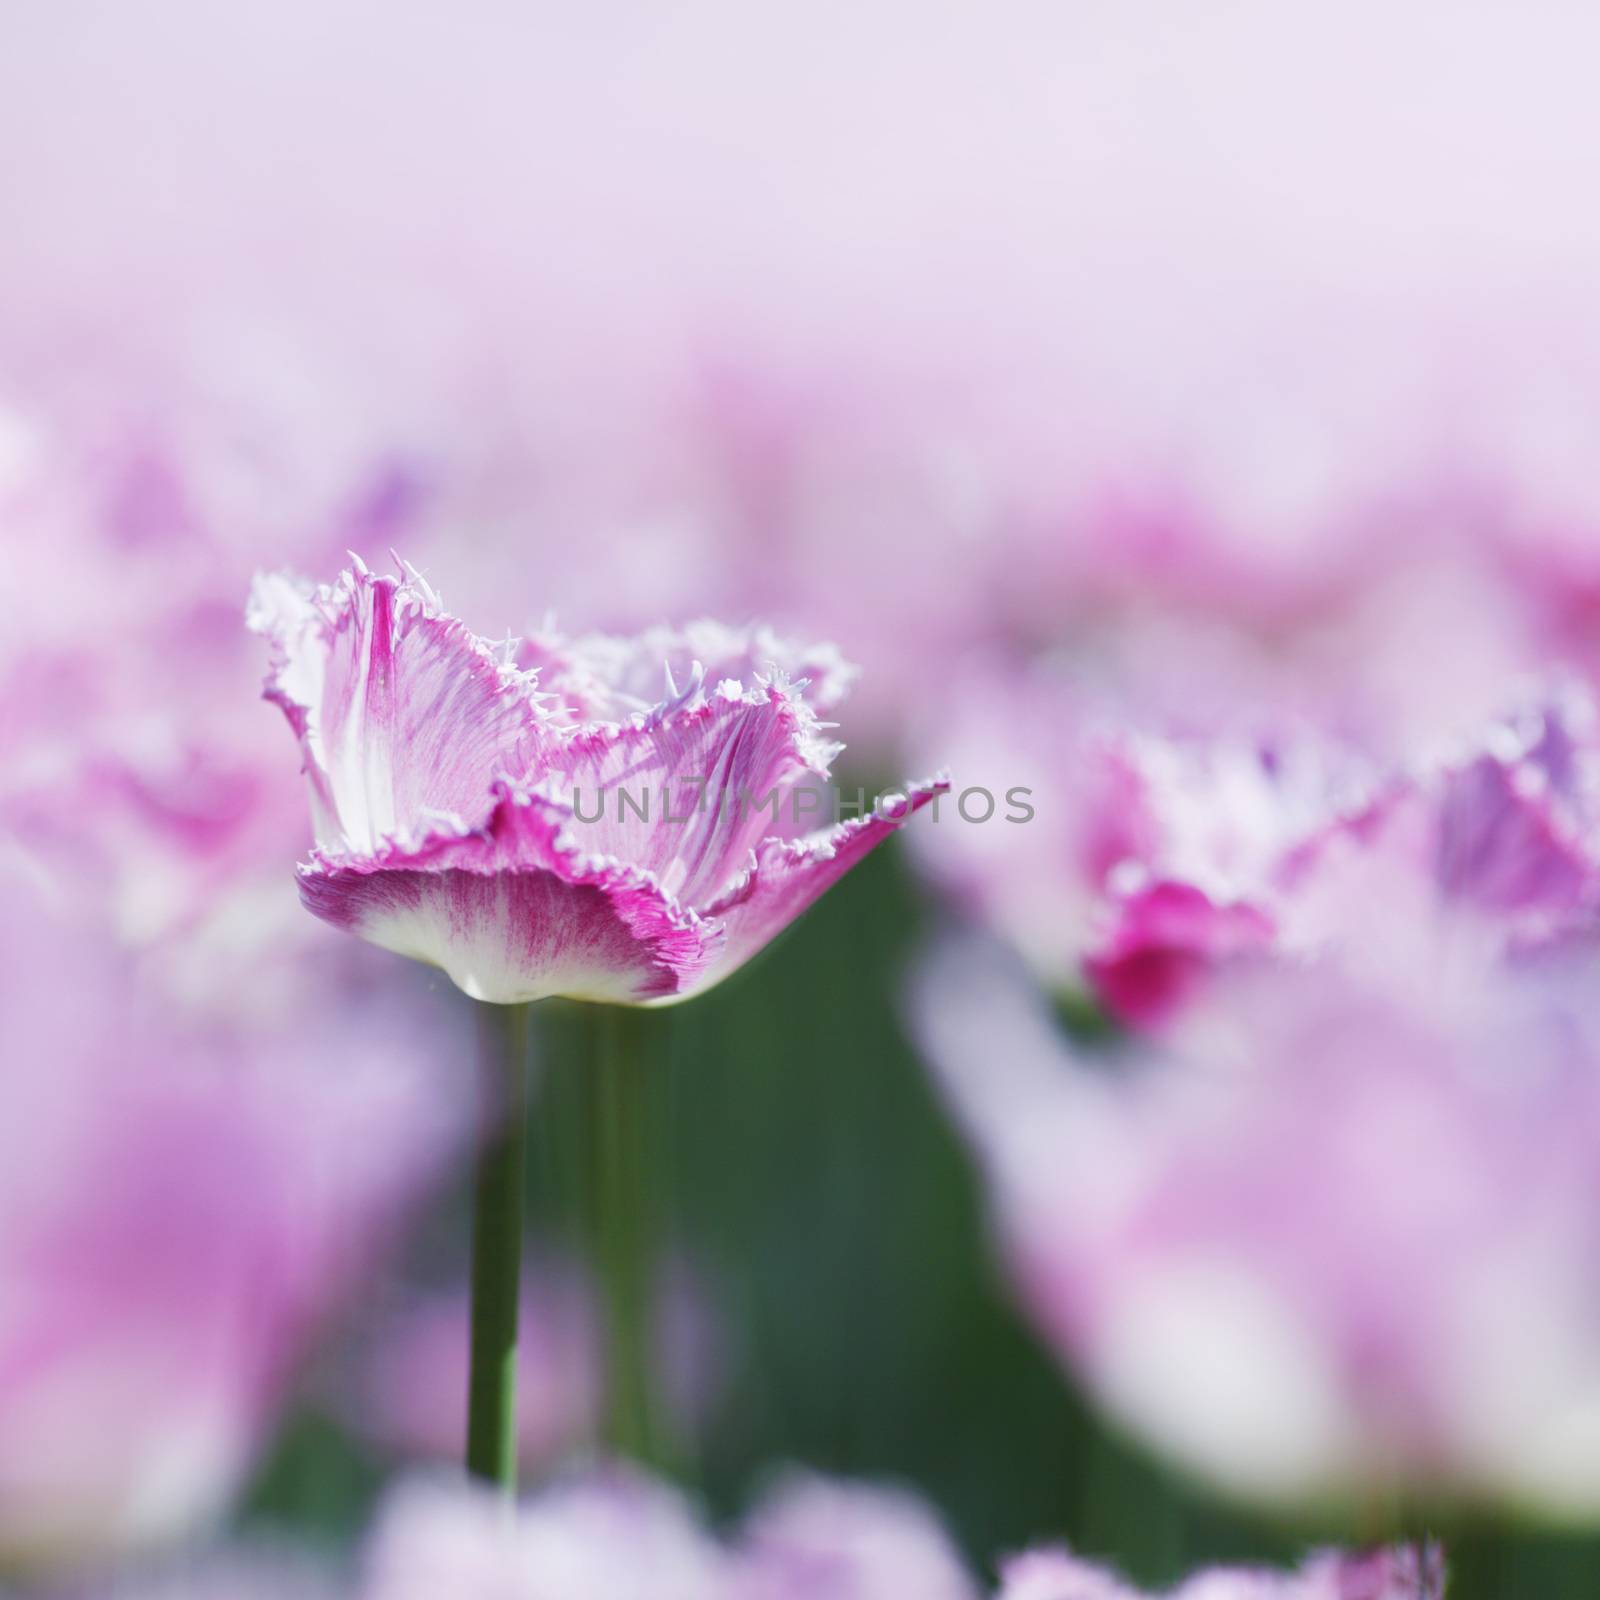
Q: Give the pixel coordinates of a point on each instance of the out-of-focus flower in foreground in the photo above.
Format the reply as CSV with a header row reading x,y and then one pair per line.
x,y
1402,1573
617,1537
533,820
1329,1238
812,1536
623,1537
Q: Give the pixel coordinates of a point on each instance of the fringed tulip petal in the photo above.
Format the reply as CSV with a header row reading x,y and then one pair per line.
x,y
512,911
604,678
785,876
404,717
683,792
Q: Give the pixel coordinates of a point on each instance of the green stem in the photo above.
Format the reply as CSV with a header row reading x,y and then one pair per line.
x,y
622,1232
497,1249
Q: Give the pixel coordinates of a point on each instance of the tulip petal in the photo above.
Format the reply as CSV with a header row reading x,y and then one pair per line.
x,y
680,792
606,678
404,715
512,911
784,876
1168,937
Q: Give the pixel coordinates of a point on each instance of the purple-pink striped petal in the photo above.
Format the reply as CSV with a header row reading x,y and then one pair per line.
x,y
512,911
403,715
786,876
679,793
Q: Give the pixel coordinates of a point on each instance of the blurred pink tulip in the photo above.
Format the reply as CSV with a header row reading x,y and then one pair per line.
x,y
1403,1573
1142,846
618,1537
621,1537
1332,1237
186,1193
813,1537
607,1537
1151,860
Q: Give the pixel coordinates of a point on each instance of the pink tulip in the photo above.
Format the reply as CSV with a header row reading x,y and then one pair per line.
x,y
552,830
187,1192
1160,852
607,1537
1333,1236
614,1535
810,1537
